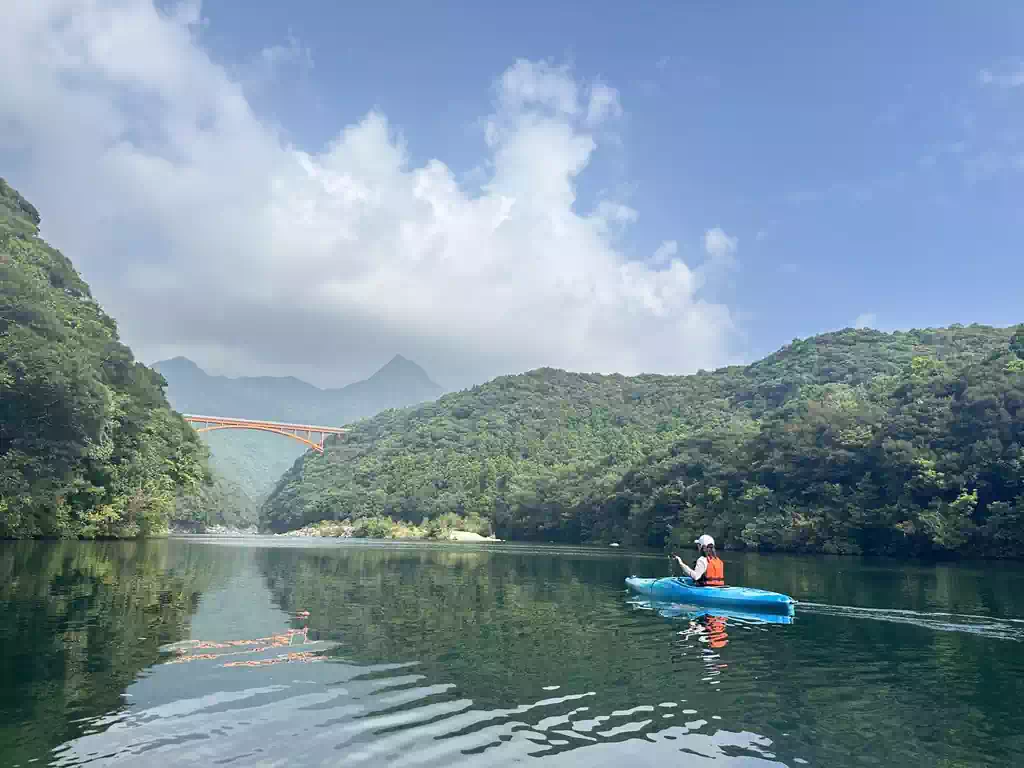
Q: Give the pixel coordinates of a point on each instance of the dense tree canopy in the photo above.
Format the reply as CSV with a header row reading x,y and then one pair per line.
x,y
88,443
855,441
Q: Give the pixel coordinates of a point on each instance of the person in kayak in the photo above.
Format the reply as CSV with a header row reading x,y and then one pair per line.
x,y
709,570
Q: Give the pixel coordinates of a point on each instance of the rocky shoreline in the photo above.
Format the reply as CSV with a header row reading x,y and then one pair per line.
x,y
347,531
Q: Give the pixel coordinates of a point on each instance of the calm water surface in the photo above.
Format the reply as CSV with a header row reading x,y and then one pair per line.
x,y
201,652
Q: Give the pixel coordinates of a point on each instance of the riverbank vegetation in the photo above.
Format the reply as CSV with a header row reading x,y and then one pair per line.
x,y
443,527
88,444
850,442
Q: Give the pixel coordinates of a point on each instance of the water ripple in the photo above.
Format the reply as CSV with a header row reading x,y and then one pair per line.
x,y
985,626
371,719
444,657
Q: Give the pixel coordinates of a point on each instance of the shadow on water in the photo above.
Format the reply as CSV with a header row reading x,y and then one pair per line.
x,y
431,655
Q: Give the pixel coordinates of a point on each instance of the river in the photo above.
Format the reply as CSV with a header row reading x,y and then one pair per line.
x,y
201,652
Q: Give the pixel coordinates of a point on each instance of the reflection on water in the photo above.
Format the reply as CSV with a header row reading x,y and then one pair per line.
x,y
243,653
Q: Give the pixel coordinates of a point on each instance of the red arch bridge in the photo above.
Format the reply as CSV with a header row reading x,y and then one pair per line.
x,y
305,433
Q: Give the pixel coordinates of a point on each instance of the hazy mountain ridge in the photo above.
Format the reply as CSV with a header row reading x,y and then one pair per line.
x,y
399,383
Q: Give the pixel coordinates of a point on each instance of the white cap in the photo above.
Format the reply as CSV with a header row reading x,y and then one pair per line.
x,y
705,541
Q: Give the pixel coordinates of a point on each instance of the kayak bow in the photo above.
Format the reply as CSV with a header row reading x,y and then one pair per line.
x,y
682,590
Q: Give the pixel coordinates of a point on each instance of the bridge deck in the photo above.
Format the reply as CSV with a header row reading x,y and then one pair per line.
x,y
294,431
227,421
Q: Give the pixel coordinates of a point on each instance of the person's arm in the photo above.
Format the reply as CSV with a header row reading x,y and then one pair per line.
x,y
698,569
683,566
695,572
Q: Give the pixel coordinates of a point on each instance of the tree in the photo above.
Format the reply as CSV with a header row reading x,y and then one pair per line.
x,y
88,443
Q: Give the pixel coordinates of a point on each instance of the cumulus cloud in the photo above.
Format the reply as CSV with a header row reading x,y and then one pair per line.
x,y
276,55
207,235
538,84
866,320
720,246
604,103
666,252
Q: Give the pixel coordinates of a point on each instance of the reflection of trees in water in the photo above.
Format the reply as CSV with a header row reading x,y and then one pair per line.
x,y
961,587
505,643
501,626
78,622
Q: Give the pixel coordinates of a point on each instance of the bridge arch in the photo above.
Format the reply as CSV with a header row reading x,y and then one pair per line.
x,y
303,433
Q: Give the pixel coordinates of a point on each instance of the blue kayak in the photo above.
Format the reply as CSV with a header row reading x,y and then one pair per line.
x,y
682,590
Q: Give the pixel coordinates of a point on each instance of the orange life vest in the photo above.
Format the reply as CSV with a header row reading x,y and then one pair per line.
x,y
714,574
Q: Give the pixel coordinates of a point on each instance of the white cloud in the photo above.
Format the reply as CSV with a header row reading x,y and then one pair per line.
x,y
206,235
665,252
529,83
720,246
866,320
1009,78
276,55
604,103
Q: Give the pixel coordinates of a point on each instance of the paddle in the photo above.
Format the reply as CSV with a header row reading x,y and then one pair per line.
x,y
672,568
672,563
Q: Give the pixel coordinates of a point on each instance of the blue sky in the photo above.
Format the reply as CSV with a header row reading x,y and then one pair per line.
x,y
867,159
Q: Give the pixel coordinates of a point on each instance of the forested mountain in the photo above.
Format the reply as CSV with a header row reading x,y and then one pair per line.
x,y
855,441
88,443
249,463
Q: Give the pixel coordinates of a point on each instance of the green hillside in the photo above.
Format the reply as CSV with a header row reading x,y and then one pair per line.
x,y
88,443
855,441
247,464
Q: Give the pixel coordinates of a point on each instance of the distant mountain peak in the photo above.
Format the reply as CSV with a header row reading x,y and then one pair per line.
x,y
400,368
399,362
179,363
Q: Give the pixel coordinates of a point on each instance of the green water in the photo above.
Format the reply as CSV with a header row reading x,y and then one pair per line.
x,y
488,655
